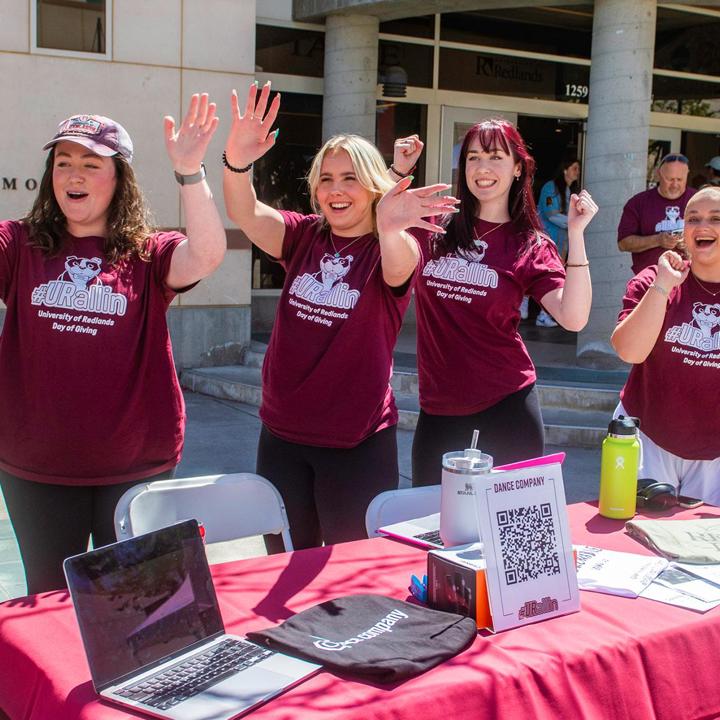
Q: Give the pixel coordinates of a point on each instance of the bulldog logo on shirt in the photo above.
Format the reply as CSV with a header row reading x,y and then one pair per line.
x,y
81,271
707,317
333,269
327,287
476,254
701,333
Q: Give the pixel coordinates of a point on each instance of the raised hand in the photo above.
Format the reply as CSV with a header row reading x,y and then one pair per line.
x,y
672,270
581,211
188,145
401,208
406,153
250,137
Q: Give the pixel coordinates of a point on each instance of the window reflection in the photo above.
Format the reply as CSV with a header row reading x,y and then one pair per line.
x,y
289,51
556,30
76,25
416,60
686,97
687,42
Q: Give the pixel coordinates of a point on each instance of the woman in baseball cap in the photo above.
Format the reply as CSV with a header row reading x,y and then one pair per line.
x,y
86,365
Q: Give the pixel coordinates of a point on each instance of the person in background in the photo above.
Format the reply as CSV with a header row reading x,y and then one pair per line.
x,y
714,166
552,206
328,439
669,329
652,220
86,366
474,370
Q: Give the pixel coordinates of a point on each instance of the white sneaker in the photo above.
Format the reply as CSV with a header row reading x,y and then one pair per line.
x,y
544,320
524,308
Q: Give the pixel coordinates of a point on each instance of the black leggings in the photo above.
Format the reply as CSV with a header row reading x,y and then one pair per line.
x,y
510,430
327,490
53,522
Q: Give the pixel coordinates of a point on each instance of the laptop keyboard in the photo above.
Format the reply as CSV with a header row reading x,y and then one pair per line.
x,y
192,676
432,536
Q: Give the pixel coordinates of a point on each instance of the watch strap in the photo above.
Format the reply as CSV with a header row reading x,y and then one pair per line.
x,y
197,177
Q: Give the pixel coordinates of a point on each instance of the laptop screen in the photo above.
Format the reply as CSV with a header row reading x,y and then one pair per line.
x,y
141,600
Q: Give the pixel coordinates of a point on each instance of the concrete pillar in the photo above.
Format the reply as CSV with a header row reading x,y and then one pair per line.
x,y
615,157
351,51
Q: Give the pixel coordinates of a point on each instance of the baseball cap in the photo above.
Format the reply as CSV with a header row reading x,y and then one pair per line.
x,y
675,157
714,163
97,133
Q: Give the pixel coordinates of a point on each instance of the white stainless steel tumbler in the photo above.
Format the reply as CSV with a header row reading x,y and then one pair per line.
x,y
458,516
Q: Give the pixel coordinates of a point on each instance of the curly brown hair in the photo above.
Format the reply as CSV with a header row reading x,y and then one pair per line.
x,y
129,223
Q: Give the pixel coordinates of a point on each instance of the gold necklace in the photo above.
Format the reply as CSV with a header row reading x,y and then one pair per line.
x,y
477,239
337,252
710,292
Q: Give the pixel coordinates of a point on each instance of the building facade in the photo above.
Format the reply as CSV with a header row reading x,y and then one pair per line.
x,y
618,84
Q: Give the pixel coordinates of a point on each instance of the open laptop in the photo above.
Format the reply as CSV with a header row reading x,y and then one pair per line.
x,y
425,531
153,635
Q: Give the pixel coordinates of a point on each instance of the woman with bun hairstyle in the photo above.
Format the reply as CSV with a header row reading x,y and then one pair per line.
x,y
328,439
474,370
87,379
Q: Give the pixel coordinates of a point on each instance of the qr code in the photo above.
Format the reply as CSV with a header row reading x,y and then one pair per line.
x,y
527,543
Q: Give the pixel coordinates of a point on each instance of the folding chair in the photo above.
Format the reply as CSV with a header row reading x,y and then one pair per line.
x,y
230,507
394,506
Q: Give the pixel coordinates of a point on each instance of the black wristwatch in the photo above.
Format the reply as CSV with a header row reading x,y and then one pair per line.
x,y
197,177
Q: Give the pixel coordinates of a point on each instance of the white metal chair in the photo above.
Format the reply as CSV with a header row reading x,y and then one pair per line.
x,y
394,506
230,507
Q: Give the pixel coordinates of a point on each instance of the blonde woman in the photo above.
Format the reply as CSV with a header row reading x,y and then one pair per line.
x,y
328,441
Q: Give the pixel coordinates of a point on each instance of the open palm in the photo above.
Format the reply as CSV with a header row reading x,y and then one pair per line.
x,y
250,137
187,145
401,208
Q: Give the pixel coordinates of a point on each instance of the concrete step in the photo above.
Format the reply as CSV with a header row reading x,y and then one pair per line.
x,y
405,382
230,382
573,416
255,354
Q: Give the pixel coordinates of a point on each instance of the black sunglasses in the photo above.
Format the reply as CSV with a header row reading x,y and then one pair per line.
x,y
677,157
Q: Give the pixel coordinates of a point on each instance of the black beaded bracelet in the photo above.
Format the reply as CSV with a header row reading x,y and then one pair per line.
x,y
232,168
402,175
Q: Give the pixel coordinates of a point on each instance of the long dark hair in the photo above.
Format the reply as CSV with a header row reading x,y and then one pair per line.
x,y
560,183
491,134
129,225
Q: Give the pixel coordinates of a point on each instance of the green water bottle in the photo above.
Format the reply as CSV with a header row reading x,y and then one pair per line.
x,y
619,465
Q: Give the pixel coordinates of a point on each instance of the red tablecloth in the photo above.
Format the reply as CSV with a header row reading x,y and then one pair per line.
x,y
616,658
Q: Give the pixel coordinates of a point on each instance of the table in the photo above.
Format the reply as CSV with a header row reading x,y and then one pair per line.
x,y
616,658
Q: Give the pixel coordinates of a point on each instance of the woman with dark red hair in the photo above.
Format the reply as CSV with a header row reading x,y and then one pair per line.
x,y
474,370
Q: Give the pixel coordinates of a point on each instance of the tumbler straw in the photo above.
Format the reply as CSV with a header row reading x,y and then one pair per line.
x,y
475,437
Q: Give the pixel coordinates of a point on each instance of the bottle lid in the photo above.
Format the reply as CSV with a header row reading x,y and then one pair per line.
x,y
625,426
468,461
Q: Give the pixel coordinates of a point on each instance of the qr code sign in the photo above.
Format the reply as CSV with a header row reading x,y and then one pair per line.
x,y
527,543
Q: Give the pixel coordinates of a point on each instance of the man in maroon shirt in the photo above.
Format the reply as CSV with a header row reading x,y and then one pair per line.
x,y
652,220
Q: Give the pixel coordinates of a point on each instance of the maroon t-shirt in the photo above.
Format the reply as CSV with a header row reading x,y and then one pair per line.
x,y
326,376
676,391
87,380
648,213
470,354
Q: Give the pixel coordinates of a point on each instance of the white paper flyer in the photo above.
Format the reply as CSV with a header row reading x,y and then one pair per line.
x,y
616,573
